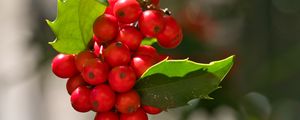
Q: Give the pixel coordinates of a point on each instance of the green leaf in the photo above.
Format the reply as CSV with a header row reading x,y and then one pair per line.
x,y
149,41
104,2
73,25
173,83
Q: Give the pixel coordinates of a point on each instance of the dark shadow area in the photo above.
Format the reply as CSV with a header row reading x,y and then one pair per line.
x,y
168,91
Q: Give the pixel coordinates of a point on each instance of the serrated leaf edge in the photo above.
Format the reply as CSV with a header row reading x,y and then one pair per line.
x,y
231,58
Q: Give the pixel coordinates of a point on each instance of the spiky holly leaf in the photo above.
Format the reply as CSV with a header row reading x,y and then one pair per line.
x,y
73,25
104,2
173,83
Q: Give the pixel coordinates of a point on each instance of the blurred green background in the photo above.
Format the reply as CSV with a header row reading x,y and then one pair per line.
x,y
263,84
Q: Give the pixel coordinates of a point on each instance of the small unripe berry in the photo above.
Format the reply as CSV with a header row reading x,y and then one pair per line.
x,y
64,66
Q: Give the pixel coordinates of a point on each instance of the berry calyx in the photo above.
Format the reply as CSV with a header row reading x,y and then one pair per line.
x,y
117,54
106,27
107,116
128,102
74,82
122,78
171,36
82,58
95,72
97,49
102,98
151,22
127,11
80,99
138,115
64,66
151,109
141,63
131,37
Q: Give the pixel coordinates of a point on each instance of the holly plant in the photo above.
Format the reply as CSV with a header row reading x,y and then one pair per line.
x,y
112,69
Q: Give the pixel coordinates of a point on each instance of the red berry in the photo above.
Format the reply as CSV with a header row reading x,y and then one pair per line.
x,y
151,22
74,82
127,11
147,50
138,115
106,27
107,116
123,25
117,54
95,72
163,57
151,109
131,37
155,2
109,9
141,63
82,58
97,39
122,78
171,36
64,66
102,98
80,99
128,102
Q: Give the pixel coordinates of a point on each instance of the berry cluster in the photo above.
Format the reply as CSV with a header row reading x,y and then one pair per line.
x,y
102,78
